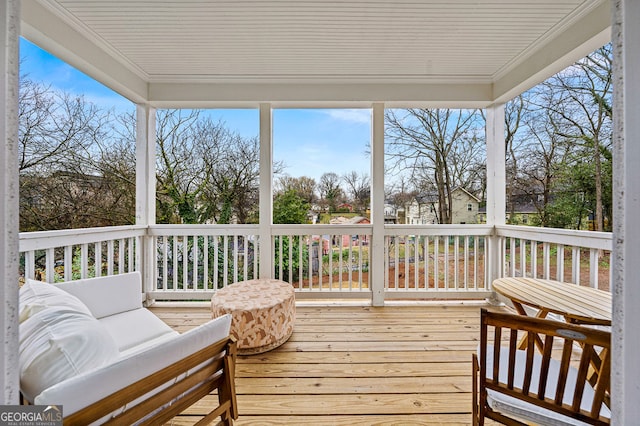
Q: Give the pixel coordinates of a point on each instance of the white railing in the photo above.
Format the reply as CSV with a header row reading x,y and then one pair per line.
x,y
329,261
579,257
323,259
70,254
436,261
193,261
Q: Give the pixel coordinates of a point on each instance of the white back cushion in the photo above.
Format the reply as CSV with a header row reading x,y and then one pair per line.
x,y
108,295
36,296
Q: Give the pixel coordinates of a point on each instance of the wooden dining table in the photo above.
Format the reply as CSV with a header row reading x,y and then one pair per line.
x,y
577,304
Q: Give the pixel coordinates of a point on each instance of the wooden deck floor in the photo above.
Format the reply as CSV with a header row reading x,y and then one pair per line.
x,y
355,366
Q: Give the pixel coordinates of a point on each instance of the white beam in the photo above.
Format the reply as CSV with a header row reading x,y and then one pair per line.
x,y
48,30
625,374
496,183
9,60
377,205
310,95
266,192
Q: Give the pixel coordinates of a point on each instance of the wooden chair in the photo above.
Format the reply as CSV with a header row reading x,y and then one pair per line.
x,y
520,387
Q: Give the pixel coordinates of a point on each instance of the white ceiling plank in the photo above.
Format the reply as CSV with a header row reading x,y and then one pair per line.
x,y
582,38
55,36
375,44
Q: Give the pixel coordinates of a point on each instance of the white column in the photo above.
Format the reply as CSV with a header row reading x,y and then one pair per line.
x,y
625,372
9,59
266,192
377,205
146,189
496,184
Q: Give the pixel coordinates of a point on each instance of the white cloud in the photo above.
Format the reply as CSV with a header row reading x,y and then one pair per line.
x,y
359,116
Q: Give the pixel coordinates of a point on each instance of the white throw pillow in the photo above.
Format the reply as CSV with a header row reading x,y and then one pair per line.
x,y
36,296
57,343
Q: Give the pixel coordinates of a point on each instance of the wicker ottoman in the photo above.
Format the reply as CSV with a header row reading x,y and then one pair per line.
x,y
263,312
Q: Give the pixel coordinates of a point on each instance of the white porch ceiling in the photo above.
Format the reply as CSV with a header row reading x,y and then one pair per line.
x,y
315,52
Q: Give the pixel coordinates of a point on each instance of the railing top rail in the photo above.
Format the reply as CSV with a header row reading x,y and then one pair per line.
x,y
204,229
570,237
322,229
462,230
41,240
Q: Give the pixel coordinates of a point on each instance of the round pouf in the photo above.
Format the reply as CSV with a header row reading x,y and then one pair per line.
x,y
263,312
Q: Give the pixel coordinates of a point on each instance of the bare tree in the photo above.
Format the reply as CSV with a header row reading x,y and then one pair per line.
x,y
205,172
359,188
439,148
330,190
303,186
586,112
74,172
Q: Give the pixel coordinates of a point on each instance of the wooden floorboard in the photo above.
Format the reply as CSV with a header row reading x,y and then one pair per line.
x,y
354,366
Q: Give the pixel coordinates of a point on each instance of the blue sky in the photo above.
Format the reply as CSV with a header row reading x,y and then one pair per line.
x,y
310,142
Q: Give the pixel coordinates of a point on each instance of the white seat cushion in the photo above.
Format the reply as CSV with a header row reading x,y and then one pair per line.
x,y
84,390
528,412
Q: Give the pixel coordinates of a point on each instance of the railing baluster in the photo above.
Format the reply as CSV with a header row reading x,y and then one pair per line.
x,y
110,257
330,254
575,265
50,261
593,267
216,259
546,260
456,253
407,261
465,262
225,261
512,256
121,246
476,254
426,262
446,262
560,262
84,261
97,259
68,262
416,262
205,262
523,257
436,260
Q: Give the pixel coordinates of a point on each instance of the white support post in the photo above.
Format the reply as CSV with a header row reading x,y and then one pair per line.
x,y
377,265
496,184
146,191
625,374
266,192
9,58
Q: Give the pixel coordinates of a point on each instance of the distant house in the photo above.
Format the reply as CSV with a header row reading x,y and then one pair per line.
x,y
356,220
524,213
390,212
423,209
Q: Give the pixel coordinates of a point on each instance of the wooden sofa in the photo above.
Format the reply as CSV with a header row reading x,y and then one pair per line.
x,y
90,346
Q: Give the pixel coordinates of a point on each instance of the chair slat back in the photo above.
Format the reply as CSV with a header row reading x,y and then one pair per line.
x,y
535,376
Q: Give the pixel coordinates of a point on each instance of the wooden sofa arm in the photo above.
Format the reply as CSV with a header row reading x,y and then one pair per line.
x,y
167,392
